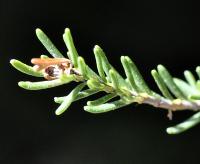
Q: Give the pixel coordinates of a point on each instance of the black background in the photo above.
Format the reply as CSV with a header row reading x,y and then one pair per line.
x,y
150,32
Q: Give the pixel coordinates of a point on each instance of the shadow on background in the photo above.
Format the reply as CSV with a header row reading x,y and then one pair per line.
x,y
150,32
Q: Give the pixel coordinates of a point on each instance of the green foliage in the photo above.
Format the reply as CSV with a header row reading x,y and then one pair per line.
x,y
176,94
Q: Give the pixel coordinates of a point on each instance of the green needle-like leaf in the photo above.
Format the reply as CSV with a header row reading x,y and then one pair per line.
x,y
88,71
128,73
69,99
95,84
51,48
67,37
107,66
114,79
161,85
44,84
105,107
102,100
86,93
185,88
25,68
99,63
81,95
190,78
82,66
168,80
104,61
139,81
187,124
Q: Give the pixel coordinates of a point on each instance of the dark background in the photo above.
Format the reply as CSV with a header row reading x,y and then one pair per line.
x,y
150,32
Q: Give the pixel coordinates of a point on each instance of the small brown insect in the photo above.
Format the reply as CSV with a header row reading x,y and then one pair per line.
x,y
43,63
52,67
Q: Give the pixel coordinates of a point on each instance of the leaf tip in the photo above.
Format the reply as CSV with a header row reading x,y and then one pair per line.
x,y
38,31
80,59
89,103
23,84
12,61
171,130
86,109
160,67
67,30
97,48
153,72
122,58
58,112
55,99
198,67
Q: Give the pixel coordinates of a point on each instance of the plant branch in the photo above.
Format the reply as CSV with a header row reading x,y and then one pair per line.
x,y
175,94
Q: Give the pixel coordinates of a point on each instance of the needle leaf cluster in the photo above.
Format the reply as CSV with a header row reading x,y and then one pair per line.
x,y
175,93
